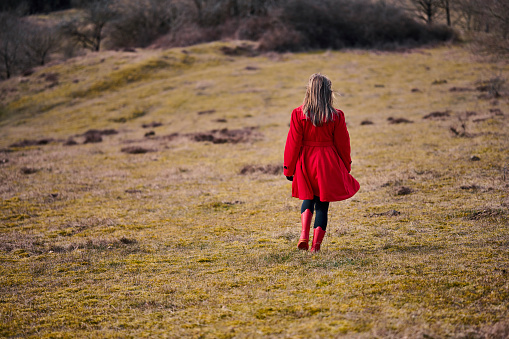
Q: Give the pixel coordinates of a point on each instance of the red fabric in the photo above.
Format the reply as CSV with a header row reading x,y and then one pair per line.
x,y
305,217
318,235
319,159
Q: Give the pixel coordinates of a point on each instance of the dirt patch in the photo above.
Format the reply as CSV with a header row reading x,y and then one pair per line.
x,y
496,111
70,142
4,161
415,90
242,50
221,120
210,111
492,88
150,134
218,205
366,122
475,158
28,142
136,150
93,244
460,89
266,169
403,190
391,213
152,124
50,78
223,136
251,68
231,203
482,118
127,241
488,213
29,170
132,191
109,131
493,112
172,136
470,187
437,115
95,135
93,138
399,121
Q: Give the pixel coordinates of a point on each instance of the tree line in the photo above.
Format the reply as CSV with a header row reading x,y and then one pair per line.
x,y
35,6
488,20
278,25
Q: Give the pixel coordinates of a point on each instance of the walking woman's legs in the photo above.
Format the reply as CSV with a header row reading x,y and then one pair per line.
x,y
307,205
306,216
322,209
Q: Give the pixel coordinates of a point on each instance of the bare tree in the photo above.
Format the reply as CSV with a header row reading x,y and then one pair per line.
x,y
258,7
88,29
210,11
499,11
495,38
488,23
200,4
40,40
473,14
427,10
141,21
446,6
10,44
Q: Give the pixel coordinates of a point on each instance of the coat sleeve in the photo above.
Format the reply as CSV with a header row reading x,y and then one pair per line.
x,y
293,145
342,141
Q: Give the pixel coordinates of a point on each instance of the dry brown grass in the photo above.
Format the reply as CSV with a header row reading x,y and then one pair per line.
x,y
177,242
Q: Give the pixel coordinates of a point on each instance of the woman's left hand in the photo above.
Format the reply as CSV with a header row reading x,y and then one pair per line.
x,y
290,178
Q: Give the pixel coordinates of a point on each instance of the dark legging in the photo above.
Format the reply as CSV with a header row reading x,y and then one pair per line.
x,y
322,208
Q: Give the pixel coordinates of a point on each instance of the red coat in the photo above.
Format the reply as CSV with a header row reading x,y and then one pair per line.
x,y
319,159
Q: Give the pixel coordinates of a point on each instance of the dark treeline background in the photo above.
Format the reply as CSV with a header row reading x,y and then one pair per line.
x,y
35,6
28,40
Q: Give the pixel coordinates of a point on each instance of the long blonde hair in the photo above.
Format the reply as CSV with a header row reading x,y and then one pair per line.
x,y
319,99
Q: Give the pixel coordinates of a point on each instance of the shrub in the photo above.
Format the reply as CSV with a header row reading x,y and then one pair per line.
x,y
88,28
254,28
142,22
281,38
346,23
34,6
10,45
285,25
40,41
23,44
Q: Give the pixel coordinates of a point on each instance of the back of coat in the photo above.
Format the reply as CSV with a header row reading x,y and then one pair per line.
x,y
319,158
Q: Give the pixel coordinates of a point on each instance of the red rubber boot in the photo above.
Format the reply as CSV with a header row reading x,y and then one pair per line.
x,y
318,235
304,236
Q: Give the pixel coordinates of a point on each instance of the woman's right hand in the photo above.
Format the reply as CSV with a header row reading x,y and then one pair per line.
x,y
289,178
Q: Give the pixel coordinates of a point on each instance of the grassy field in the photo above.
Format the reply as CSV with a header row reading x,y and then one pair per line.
x,y
189,230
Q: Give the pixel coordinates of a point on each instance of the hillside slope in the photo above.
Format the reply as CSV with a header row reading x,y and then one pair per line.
x,y
173,218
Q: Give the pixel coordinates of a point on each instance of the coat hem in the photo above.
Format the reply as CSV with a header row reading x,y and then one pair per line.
x,y
341,198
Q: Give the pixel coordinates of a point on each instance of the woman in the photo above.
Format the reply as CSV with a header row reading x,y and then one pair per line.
x,y
317,158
